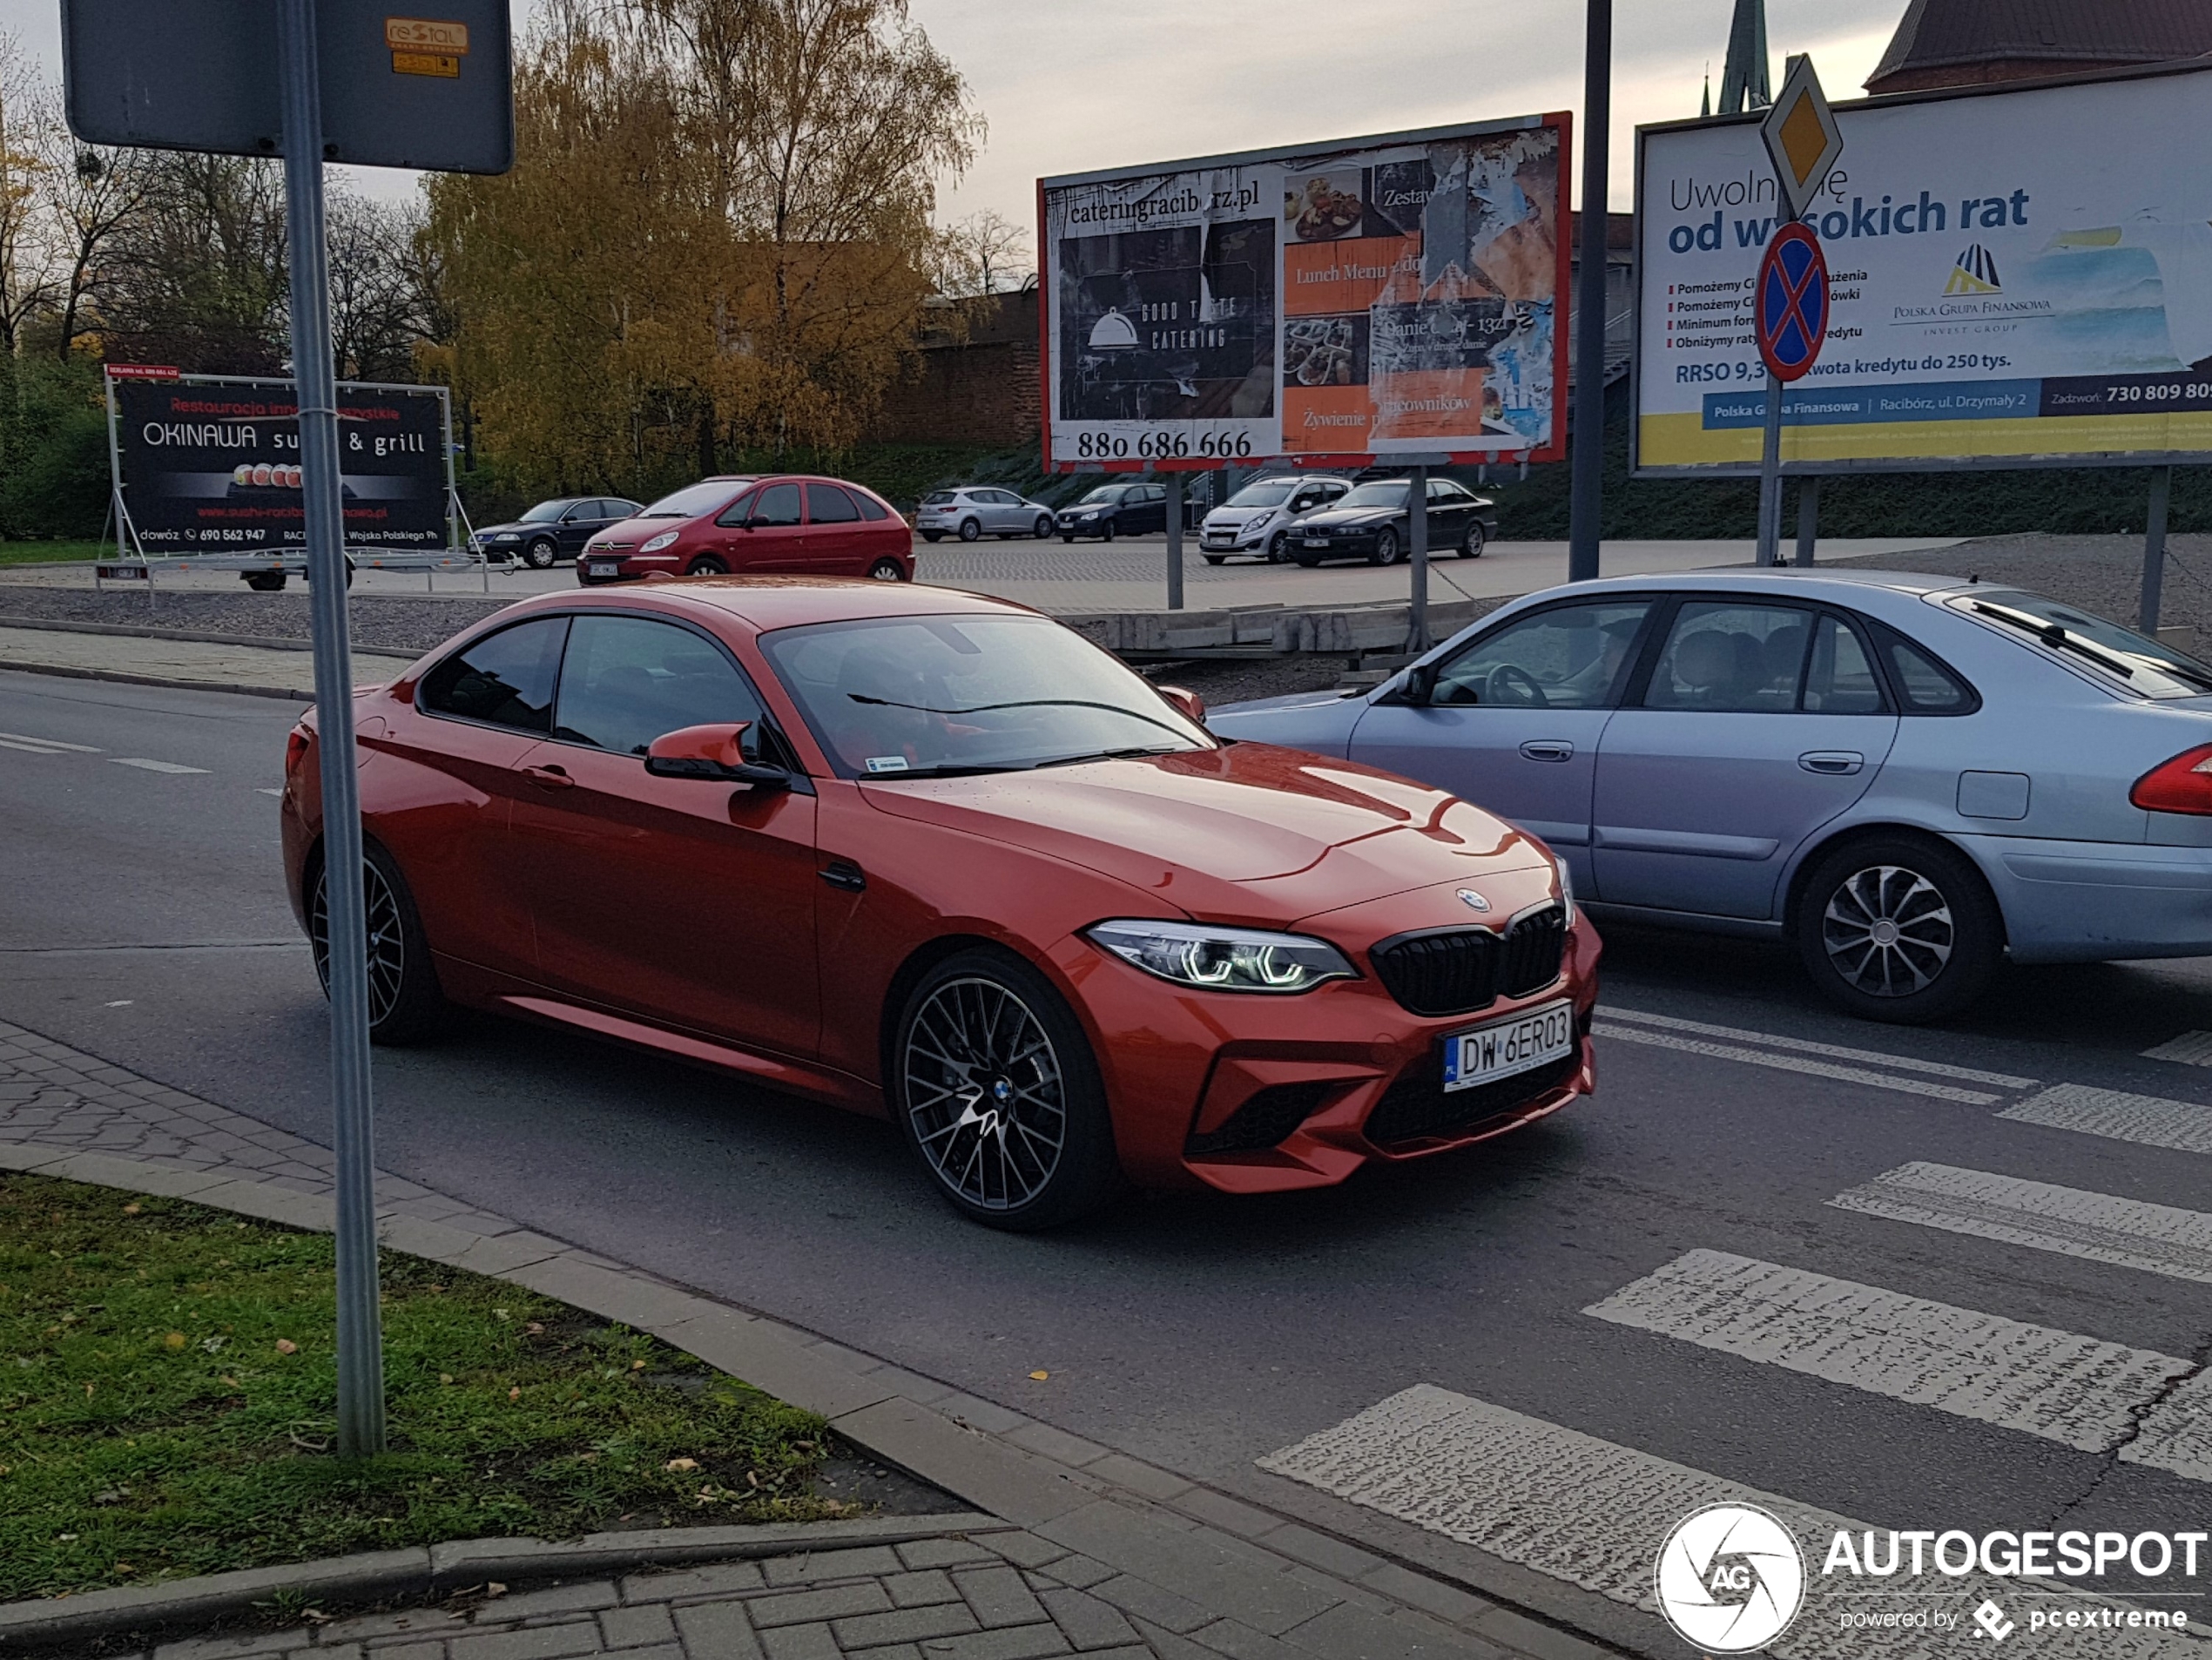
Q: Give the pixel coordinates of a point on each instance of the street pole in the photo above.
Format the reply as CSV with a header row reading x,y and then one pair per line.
x,y
1770,478
1808,517
361,1360
1417,545
1588,503
1175,541
2162,497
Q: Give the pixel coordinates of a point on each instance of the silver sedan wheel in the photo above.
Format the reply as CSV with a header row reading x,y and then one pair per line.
x,y
1888,931
985,1094
386,940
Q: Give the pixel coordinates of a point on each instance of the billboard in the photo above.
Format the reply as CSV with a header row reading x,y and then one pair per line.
x,y
210,464
1392,296
2016,276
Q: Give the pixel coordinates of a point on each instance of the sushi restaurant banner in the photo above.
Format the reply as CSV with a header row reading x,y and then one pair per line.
x,y
210,464
2016,277
1401,295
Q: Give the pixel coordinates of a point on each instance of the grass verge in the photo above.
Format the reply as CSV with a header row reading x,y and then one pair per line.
x,y
166,1391
39,553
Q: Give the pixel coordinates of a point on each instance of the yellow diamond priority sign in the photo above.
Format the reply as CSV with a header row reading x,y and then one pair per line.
x,y
1802,138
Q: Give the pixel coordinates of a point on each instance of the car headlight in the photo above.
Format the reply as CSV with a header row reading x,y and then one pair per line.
x,y
659,542
1566,887
1223,959
507,535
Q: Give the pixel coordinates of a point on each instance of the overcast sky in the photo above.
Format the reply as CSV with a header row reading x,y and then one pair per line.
x,y
1073,84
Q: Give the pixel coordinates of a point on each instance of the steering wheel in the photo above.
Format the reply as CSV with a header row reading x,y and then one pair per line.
x,y
1525,693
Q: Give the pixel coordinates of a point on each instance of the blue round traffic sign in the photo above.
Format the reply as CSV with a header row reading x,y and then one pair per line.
x,y
1792,304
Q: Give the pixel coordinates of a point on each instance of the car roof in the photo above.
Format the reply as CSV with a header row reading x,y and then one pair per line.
x,y
777,602
1808,580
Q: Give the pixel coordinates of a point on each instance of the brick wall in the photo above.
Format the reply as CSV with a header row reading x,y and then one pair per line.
x,y
979,389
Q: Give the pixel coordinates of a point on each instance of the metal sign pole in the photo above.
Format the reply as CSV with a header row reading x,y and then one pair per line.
x,y
1770,478
1587,484
1174,483
1808,517
360,1361
1417,545
2162,497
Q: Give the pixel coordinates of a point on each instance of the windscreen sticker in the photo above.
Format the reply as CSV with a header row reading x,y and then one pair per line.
x,y
887,763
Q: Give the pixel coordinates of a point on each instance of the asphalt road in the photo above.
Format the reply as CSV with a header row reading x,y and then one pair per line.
x,y
142,920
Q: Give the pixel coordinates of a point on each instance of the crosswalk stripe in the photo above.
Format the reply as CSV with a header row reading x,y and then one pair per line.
x,y
2181,1126
2190,1048
2094,1396
2096,1227
144,765
1806,1046
31,749
1594,1514
14,738
1795,1064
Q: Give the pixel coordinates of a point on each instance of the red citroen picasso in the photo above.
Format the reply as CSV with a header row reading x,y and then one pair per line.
x,y
784,523
928,856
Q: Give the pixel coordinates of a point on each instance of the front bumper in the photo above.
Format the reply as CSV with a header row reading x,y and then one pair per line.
x,y
591,568
1237,539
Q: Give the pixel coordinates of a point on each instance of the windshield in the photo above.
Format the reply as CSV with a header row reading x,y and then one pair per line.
x,y
695,500
1103,493
942,695
545,512
1268,492
2154,670
1384,492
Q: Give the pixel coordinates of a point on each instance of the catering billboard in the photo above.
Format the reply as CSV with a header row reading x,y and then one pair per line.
x,y
210,464
2018,277
1401,295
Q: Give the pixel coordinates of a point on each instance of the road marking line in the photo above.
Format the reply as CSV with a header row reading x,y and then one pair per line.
x,y
2158,1238
1903,1063
29,749
263,789
2190,1048
2182,1125
2078,1391
14,738
1791,1063
141,762
1594,1514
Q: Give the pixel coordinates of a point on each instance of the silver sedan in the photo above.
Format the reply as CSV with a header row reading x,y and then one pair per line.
x,y
1907,778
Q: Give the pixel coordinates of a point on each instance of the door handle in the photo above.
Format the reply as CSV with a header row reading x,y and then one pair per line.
x,y
1548,749
845,874
548,778
1832,763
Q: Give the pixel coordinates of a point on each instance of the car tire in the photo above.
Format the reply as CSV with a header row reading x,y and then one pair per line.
x,y
1068,540
1898,927
1386,549
1472,543
1043,529
887,569
1106,531
933,536
265,581
1215,558
707,565
541,554
990,1003
970,529
1308,561
406,1005
1279,547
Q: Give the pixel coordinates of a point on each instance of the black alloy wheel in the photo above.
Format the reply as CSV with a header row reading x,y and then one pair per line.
x,y
405,1005
541,554
970,529
1898,927
995,1088
707,565
1385,552
1472,543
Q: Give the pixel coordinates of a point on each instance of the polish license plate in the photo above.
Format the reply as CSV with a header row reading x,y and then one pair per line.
x,y
1521,1044
604,568
1217,539
1317,542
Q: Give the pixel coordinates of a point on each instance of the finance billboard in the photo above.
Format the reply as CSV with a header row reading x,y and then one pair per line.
x,y
2016,277
208,465
1376,297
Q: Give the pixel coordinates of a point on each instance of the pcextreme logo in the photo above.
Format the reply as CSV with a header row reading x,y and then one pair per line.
x,y
1730,1579
1975,273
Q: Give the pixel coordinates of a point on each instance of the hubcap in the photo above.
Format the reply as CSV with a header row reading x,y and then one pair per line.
x,y
1888,931
985,1094
386,941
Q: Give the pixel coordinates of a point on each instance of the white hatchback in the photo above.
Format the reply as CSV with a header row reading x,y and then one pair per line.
x,y
1258,518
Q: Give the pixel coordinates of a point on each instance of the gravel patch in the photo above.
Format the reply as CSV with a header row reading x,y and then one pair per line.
x,y
380,622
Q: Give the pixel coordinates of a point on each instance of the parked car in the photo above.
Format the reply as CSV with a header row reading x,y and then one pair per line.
x,y
1907,777
975,510
1115,509
819,527
552,530
1262,518
927,854
1370,522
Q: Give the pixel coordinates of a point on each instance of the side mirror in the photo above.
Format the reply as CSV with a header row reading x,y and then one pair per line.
x,y
1420,685
1188,704
713,751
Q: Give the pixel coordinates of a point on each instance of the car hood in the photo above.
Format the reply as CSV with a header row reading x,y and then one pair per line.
x,y
1226,516
634,532
1249,834
515,527
1332,515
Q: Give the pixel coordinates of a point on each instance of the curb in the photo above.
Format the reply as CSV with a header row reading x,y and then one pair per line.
x,y
434,1570
286,693
150,632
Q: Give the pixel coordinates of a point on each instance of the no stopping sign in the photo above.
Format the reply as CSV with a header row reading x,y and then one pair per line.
x,y
1791,303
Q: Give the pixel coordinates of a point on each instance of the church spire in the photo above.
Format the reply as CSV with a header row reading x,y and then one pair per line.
x,y
1705,109
1743,81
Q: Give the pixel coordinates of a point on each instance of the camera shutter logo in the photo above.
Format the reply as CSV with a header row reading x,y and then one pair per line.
x,y
1730,1578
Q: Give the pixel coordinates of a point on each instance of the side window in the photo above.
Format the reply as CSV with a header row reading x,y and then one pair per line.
x,y
626,680
827,504
735,513
870,507
776,505
1725,657
504,679
1923,685
1572,657
1840,681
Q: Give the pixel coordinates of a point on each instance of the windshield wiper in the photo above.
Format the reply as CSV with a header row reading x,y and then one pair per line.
x,y
1019,702
2053,634
1134,752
